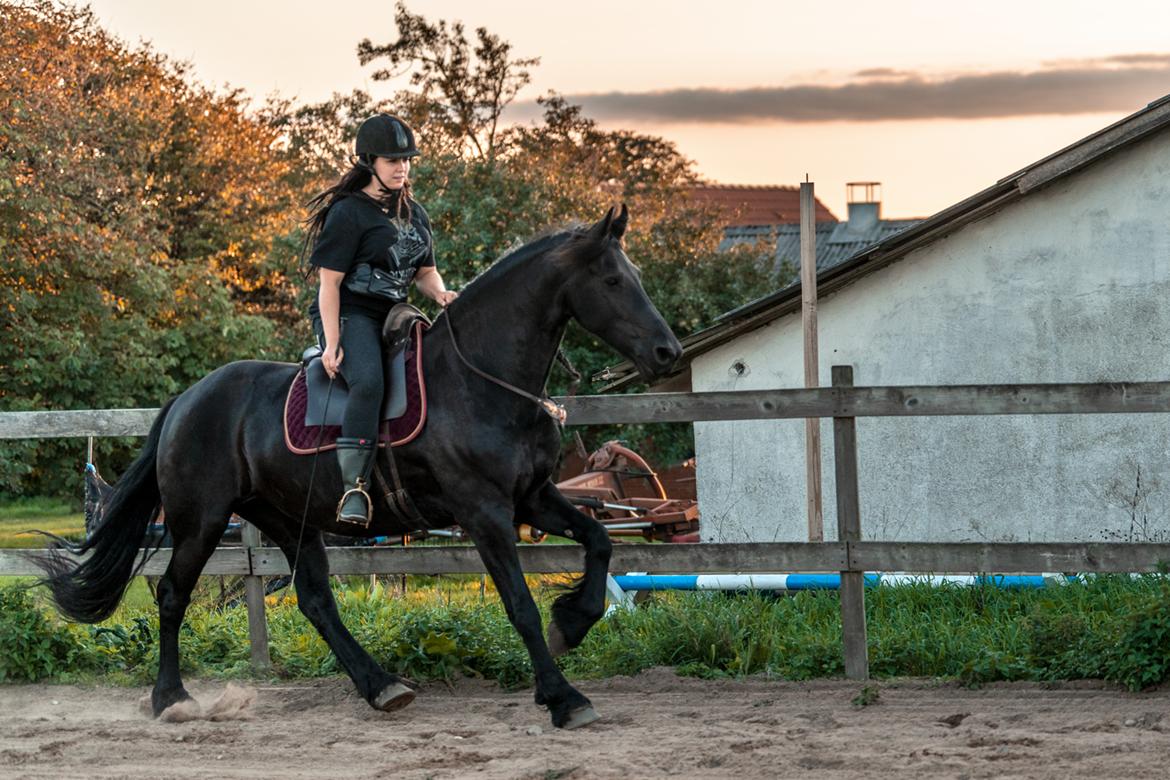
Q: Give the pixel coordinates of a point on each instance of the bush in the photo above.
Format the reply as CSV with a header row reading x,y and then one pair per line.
x,y
31,647
1141,657
132,648
423,641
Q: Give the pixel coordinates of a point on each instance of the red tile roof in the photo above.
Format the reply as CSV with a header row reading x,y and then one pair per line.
x,y
747,204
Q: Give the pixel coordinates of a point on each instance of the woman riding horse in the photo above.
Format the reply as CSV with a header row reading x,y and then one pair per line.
x,y
485,460
368,217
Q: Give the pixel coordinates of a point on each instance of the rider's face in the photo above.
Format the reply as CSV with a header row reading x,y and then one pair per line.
x,y
393,173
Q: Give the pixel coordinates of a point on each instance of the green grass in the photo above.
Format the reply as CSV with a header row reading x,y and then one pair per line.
x,y
18,517
1112,627
18,508
1109,627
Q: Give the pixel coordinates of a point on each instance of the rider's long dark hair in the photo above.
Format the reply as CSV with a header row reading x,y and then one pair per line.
x,y
353,180
90,591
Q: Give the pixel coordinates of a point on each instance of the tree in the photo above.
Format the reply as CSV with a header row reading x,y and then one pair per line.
x,y
461,91
150,228
674,240
141,220
488,189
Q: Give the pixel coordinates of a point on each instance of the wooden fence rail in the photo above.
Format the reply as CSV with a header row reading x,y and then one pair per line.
x,y
711,558
850,556
892,401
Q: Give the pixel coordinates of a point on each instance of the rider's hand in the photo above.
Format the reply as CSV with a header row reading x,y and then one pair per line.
x,y
331,360
446,297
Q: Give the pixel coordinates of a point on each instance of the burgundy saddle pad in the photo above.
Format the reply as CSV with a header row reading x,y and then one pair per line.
x,y
302,439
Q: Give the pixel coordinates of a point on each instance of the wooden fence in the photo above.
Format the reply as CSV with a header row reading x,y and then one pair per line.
x,y
849,555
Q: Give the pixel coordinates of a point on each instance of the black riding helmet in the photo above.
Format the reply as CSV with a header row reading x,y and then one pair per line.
x,y
383,135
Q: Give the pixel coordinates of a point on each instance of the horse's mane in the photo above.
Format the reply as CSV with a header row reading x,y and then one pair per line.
x,y
539,244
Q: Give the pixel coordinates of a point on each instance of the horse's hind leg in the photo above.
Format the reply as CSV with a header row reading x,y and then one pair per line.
x,y
384,691
196,533
575,612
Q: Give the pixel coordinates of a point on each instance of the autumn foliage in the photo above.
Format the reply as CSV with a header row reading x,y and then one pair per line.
x,y
150,227
141,227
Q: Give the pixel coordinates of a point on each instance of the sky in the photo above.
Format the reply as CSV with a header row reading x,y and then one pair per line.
x,y
935,100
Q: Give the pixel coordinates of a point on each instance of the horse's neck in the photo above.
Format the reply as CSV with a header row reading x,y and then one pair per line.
x,y
510,324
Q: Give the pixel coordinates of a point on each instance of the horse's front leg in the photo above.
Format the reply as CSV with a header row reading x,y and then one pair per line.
x,y
574,612
491,528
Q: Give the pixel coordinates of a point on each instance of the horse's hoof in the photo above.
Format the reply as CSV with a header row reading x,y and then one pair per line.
x,y
582,716
394,696
161,701
181,712
556,640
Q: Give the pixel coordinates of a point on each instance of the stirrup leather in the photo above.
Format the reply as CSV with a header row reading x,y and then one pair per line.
x,y
361,490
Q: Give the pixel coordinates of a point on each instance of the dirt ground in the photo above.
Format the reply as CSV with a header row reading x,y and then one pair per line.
x,y
653,725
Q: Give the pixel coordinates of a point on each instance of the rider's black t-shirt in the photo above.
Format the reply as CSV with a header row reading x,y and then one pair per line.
x,y
358,230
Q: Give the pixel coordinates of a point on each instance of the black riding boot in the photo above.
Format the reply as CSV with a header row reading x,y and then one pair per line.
x,y
356,458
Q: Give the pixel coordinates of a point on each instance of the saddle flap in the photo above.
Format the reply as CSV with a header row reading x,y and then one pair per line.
x,y
394,402
317,381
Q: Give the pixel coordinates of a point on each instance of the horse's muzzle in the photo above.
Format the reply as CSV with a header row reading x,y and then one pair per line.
x,y
660,360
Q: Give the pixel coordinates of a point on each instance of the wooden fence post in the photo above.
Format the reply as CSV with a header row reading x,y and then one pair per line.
x,y
849,530
254,597
808,307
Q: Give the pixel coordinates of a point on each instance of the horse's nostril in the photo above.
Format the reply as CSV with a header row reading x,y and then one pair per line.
x,y
666,355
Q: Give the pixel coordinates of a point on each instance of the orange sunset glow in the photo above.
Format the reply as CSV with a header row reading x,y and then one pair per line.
x,y
935,100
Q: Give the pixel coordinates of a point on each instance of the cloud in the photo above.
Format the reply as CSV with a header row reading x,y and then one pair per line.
x,y
881,73
1123,82
1146,58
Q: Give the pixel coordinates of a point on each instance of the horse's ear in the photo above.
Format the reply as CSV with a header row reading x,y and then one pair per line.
x,y
600,231
618,228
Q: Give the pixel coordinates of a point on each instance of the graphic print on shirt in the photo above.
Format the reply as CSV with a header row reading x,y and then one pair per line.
x,y
405,255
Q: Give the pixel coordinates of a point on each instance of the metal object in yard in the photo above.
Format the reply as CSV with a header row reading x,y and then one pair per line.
x,y
614,487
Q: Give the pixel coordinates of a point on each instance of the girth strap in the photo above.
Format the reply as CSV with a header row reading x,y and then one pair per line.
x,y
397,499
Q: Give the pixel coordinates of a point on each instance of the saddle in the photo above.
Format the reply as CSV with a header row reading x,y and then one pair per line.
x,y
308,423
325,407
396,334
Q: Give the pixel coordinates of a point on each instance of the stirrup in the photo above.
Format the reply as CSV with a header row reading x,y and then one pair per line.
x,y
361,490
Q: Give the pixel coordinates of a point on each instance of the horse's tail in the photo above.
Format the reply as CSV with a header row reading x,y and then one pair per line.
x,y
90,591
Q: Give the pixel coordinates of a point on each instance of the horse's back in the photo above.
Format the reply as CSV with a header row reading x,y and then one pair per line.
x,y
233,391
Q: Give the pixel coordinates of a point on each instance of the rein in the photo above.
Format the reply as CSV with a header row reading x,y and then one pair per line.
x,y
309,492
574,374
550,407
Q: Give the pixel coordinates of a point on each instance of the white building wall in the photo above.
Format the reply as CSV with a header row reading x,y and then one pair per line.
x,y
1070,284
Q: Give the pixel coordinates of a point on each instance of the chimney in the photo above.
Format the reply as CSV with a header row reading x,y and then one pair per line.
x,y
865,206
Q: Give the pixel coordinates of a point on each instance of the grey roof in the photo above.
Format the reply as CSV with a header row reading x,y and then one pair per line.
x,y
1152,119
836,242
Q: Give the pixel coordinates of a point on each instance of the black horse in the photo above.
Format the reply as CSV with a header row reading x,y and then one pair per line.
x,y
484,461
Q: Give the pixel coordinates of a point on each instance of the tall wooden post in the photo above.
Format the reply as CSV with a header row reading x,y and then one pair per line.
x,y
808,308
254,598
849,530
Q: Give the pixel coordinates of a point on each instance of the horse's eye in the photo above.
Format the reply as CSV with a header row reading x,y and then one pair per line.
x,y
612,281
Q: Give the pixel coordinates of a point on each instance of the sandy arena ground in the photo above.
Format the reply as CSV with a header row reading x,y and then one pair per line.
x,y
653,725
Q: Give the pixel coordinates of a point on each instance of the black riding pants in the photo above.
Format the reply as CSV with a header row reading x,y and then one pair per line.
x,y
361,368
